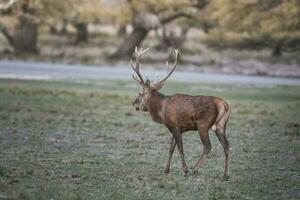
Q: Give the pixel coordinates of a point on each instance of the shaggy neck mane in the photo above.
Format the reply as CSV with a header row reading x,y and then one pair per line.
x,y
155,109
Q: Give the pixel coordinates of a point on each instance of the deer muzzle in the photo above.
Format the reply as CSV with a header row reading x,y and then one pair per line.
x,y
135,105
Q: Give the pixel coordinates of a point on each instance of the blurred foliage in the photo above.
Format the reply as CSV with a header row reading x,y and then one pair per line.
x,y
157,6
228,22
268,21
51,8
125,10
55,10
255,16
118,11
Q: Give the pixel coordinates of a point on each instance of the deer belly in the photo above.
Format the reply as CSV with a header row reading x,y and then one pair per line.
x,y
183,124
188,125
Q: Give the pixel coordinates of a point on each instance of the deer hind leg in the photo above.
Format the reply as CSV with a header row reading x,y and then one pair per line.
x,y
171,151
178,139
221,134
203,132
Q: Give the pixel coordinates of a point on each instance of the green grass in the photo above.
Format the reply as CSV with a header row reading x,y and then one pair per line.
x,y
83,140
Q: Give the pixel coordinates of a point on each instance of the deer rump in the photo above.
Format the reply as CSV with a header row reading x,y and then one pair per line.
x,y
189,112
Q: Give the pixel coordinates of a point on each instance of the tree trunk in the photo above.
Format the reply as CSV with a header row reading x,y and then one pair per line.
x,y
163,40
135,38
63,30
277,50
52,29
170,39
25,36
122,31
81,32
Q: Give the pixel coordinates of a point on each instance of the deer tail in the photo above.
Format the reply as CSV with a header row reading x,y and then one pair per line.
x,y
222,109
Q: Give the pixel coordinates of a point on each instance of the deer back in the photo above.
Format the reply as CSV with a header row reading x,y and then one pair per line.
x,y
183,111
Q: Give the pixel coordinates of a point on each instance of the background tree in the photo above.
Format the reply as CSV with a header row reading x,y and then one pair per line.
x,y
170,38
271,23
21,20
82,14
77,13
149,15
53,13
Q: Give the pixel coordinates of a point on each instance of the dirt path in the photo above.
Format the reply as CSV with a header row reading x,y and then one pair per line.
x,y
47,71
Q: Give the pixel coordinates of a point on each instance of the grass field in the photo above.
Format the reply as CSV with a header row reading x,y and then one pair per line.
x,y
83,140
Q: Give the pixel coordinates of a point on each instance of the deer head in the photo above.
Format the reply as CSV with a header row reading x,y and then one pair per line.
x,y
141,102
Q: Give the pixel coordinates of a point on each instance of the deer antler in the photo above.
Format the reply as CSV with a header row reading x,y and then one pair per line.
x,y
136,69
171,71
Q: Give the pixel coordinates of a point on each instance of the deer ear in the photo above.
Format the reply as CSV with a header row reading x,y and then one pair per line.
x,y
147,83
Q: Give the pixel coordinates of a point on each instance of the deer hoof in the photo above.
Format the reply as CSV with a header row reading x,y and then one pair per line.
x,y
167,171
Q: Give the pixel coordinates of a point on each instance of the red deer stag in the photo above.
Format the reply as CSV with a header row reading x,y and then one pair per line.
x,y
181,113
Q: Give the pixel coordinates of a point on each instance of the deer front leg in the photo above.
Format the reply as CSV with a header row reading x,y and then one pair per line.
x,y
171,151
178,139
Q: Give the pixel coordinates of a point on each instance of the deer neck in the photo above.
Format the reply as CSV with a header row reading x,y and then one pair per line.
x,y
156,107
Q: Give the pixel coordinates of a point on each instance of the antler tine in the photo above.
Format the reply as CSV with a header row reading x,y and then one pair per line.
x,y
172,70
135,78
136,69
